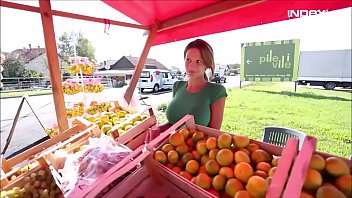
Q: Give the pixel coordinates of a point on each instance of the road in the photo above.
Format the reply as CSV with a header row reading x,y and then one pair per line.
x,y
29,130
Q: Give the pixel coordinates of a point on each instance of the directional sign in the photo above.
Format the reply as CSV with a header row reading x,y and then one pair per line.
x,y
270,61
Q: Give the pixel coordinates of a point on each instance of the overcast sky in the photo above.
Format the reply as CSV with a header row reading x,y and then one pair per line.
x,y
331,30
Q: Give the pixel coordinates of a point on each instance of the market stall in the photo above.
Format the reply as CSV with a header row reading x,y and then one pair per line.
x,y
141,168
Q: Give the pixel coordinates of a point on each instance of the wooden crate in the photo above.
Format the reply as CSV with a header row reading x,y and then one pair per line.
x,y
12,165
300,167
153,179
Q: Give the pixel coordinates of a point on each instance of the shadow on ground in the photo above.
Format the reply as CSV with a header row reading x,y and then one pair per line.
x,y
304,95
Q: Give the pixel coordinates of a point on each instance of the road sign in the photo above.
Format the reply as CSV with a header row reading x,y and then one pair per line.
x,y
270,61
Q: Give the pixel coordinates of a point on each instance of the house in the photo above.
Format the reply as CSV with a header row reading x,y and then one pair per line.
x,y
33,58
123,69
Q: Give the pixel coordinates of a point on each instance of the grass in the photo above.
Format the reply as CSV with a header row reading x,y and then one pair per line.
x,y
21,93
323,114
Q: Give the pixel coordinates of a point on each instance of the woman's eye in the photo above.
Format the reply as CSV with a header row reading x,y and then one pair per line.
x,y
199,61
188,60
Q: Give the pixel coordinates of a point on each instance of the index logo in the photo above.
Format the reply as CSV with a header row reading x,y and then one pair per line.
x,y
302,13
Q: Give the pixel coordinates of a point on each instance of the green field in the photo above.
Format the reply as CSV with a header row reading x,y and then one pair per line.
x,y
21,93
323,114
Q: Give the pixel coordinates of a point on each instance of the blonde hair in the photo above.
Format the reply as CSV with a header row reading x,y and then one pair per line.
x,y
205,50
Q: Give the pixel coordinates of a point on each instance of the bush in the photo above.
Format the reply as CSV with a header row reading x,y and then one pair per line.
x,y
162,107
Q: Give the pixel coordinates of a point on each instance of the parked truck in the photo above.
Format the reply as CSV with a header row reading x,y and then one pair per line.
x,y
329,68
219,73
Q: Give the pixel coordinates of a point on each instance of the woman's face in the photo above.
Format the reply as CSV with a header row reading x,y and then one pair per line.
x,y
194,63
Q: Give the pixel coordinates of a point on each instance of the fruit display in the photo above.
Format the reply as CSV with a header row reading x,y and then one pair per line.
x,y
86,69
70,87
225,166
327,177
51,132
95,107
93,88
39,184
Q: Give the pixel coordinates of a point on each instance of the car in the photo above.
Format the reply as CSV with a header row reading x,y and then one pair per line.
x,y
216,78
156,80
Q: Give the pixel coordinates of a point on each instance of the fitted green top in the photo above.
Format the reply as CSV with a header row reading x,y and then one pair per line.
x,y
197,104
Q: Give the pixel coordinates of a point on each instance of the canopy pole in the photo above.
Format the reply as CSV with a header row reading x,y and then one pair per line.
x,y
141,62
53,62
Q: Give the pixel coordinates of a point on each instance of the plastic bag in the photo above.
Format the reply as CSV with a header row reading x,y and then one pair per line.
x,y
94,159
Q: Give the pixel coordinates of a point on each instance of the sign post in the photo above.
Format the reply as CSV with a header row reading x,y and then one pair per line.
x,y
270,61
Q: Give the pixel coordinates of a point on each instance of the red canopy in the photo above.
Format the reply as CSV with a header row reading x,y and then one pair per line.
x,y
214,16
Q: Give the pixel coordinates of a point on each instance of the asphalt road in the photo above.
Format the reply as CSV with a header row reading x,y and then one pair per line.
x,y
29,129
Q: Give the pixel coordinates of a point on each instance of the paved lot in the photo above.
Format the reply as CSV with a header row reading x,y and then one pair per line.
x,y
29,130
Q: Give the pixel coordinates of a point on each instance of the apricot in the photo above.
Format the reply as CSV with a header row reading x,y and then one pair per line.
x,y
260,155
184,132
167,147
336,167
272,171
260,173
204,159
344,184
329,191
201,148
196,155
305,194
211,143
192,166
232,186
243,171
241,156
186,157
192,131
213,153
172,156
182,149
198,136
256,186
252,147
242,194
313,180
160,157
317,162
203,181
219,182
189,142
212,167
240,141
176,169
245,150
202,169
186,175
263,166
224,141
227,172
224,157
176,139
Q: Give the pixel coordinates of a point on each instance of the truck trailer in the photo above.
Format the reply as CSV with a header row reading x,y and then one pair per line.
x,y
328,68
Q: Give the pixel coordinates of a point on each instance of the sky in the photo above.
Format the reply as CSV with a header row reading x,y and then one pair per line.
x,y
327,31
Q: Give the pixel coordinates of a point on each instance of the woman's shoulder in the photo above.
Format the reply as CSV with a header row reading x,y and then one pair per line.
x,y
216,86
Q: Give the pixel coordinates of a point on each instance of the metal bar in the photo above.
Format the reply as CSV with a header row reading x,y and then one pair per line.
x,y
141,62
53,62
71,15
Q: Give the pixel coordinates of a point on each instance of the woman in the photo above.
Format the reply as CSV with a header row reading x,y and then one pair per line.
x,y
197,97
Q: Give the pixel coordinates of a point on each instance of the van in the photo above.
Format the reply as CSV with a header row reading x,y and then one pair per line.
x,y
155,79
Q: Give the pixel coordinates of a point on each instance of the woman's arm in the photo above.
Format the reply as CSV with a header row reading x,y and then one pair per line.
x,y
217,112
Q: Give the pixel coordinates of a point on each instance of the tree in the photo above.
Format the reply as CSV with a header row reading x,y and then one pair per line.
x,y
14,68
83,48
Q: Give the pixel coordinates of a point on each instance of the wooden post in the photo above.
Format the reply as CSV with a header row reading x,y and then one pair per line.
x,y
53,62
141,62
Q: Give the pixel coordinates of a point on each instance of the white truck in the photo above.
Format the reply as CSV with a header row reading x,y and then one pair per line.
x,y
219,73
328,68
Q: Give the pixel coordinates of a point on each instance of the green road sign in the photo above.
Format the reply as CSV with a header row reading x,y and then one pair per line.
x,y
270,61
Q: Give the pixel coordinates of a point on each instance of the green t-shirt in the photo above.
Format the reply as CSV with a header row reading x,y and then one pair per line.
x,y
197,104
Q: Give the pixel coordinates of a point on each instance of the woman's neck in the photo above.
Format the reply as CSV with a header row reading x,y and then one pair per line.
x,y
195,84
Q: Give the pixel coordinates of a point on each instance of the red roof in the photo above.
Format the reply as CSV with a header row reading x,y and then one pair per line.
x,y
214,16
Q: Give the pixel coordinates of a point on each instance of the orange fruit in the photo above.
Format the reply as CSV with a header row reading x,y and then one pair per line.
x,y
184,132
213,153
243,171
232,186
227,172
344,184
317,162
186,157
192,166
211,143
336,167
260,155
240,141
263,166
242,194
203,181
167,147
313,180
272,171
189,142
256,186
192,131
202,169
196,155
186,175
176,139
213,192
219,182
212,167
160,157
169,165
172,156
305,194
252,147
201,148
246,151
241,156
224,157
224,141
